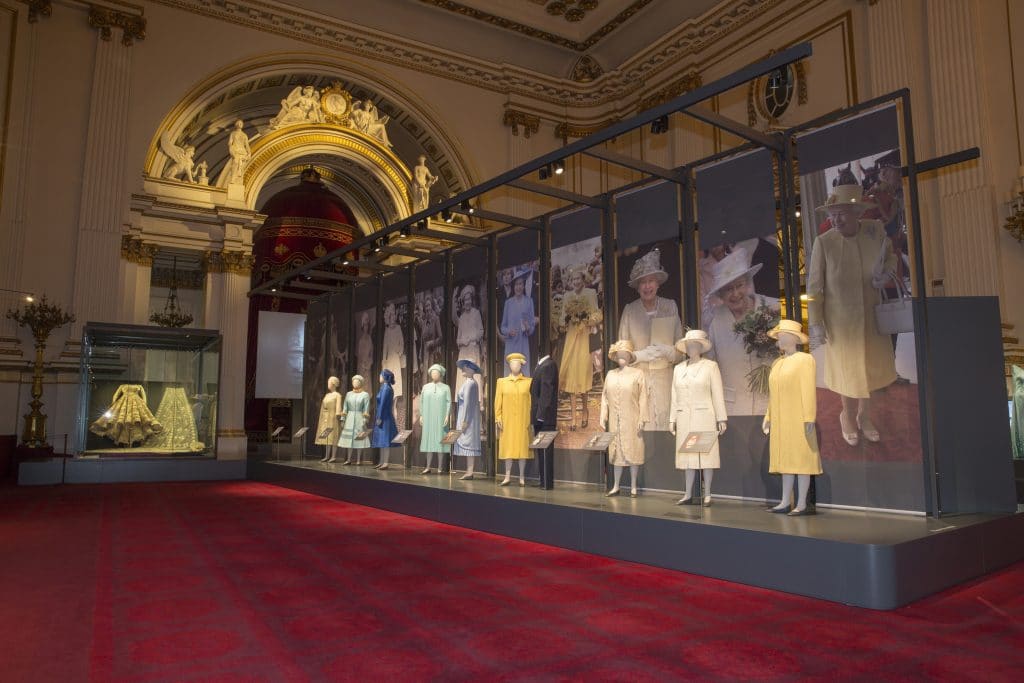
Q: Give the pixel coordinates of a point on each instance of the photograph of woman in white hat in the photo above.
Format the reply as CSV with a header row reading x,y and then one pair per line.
x,y
732,286
469,326
652,324
848,264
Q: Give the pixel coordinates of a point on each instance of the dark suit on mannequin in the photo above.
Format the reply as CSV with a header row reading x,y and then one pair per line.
x,y
544,415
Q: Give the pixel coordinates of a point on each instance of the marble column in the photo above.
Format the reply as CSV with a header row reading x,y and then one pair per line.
x,y
227,309
104,199
967,201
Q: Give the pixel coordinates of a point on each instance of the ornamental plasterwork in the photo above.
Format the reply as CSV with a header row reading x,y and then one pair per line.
x,y
689,81
514,119
38,8
586,69
133,26
566,130
234,262
136,251
691,37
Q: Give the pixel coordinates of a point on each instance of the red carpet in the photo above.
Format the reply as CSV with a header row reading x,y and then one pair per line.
x,y
249,582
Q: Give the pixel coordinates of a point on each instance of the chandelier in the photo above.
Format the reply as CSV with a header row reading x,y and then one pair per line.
x,y
172,315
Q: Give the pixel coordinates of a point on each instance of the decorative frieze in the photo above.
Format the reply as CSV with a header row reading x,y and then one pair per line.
x,y
513,118
684,84
566,130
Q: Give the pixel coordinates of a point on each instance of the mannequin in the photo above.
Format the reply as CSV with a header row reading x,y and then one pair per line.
x,y
385,427
468,416
355,412
330,411
435,416
789,422
623,405
544,415
512,417
698,405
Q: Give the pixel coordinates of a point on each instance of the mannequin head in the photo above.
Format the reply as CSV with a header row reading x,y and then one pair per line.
x,y
333,383
694,350
436,373
386,377
468,368
357,382
787,334
694,344
787,342
516,366
621,352
622,358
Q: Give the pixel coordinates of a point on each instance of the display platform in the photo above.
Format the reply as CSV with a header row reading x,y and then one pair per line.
x,y
874,560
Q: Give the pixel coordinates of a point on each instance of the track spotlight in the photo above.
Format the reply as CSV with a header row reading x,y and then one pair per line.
x,y
376,246
544,172
422,225
559,167
404,231
467,207
659,125
446,214
273,289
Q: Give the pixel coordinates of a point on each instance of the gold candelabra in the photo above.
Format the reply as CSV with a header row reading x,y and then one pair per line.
x,y
42,318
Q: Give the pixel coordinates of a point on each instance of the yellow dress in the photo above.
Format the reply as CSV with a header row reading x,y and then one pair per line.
x,y
512,410
858,359
128,419
179,424
792,403
576,373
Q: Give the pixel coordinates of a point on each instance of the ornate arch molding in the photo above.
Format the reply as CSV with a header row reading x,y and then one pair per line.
x,y
444,151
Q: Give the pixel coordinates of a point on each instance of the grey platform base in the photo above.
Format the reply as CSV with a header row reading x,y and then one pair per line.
x,y
874,560
105,471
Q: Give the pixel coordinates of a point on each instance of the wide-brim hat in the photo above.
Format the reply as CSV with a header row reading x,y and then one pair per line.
x,y
389,377
622,346
439,368
521,272
699,336
849,197
515,356
791,326
464,363
735,265
648,264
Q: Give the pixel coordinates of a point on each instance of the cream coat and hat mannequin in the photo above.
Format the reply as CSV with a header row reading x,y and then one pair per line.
x,y
624,404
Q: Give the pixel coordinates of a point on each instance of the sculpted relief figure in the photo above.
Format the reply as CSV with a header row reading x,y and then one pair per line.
x,y
182,162
360,118
301,106
422,181
240,152
367,119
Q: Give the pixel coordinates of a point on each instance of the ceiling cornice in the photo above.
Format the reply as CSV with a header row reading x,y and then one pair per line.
x,y
661,59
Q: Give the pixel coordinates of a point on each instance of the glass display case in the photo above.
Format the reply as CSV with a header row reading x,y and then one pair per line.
x,y
148,391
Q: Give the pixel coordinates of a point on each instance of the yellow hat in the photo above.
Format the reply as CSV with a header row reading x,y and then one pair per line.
x,y
791,326
623,346
515,356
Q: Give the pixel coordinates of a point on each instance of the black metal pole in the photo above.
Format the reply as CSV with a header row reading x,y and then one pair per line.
x,y
690,251
544,305
494,364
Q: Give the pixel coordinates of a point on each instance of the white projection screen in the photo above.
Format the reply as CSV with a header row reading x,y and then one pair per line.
x,y
280,343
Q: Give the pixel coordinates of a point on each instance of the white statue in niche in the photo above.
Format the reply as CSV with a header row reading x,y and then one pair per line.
x,y
360,118
301,106
376,126
181,158
238,148
422,181
201,176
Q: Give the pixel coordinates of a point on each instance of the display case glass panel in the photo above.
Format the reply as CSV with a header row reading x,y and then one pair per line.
x,y
148,391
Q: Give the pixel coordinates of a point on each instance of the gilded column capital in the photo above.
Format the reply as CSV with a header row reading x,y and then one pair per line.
x,y
236,262
513,118
133,26
135,250
566,130
38,8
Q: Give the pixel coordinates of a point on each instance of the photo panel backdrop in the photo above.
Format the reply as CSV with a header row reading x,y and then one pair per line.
x,y
314,375
394,355
855,243
364,319
339,337
467,314
517,298
430,313
576,324
649,290
739,281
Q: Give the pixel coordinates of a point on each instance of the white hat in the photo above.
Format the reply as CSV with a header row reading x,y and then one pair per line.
x,y
648,264
731,268
699,336
847,197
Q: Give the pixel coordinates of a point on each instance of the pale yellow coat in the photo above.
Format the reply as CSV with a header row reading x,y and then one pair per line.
x,y
623,408
512,410
858,360
792,404
698,405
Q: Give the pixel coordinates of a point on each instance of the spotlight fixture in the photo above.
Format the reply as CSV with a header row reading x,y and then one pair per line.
x,y
386,239
559,167
544,172
273,289
446,214
404,231
28,296
422,225
659,125
797,213
376,246
467,207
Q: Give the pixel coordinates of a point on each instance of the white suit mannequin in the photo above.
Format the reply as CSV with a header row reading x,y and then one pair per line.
x,y
694,353
624,358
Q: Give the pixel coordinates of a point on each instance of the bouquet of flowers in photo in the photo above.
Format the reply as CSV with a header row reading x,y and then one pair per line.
x,y
753,329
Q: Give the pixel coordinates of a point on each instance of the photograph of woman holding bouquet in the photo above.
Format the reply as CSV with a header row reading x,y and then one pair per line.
x,y
580,316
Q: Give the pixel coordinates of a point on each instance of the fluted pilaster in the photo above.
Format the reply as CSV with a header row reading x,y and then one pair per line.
x,y
889,38
102,211
966,197
227,309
